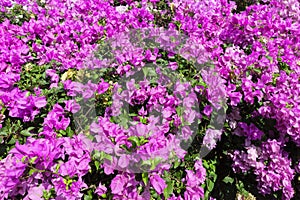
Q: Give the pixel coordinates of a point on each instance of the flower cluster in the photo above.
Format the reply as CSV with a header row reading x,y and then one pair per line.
x,y
145,142
43,164
270,164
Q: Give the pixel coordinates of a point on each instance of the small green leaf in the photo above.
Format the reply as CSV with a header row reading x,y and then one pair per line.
x,y
3,132
155,162
145,71
25,133
23,159
107,156
210,185
87,197
57,168
32,160
12,141
228,179
69,132
146,164
143,140
145,178
143,120
179,111
205,164
31,171
168,190
97,164
257,70
62,132
133,114
176,163
134,141
61,100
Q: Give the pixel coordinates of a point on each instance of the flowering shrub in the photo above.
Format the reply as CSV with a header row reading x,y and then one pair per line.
x,y
149,99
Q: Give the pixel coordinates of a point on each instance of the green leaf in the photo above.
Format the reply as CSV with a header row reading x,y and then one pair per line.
x,y
240,187
87,197
25,133
143,120
3,132
145,71
47,194
32,160
12,141
179,111
107,156
134,141
145,178
57,168
212,167
146,163
168,190
269,58
206,195
61,100
213,176
31,171
133,114
205,164
228,179
62,132
23,159
69,132
143,140
176,163
155,162
97,164
257,70
210,185
123,120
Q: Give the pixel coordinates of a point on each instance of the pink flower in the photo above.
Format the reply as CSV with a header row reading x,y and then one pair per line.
x,y
102,87
72,106
40,102
118,183
193,193
211,137
158,183
173,65
101,189
207,110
